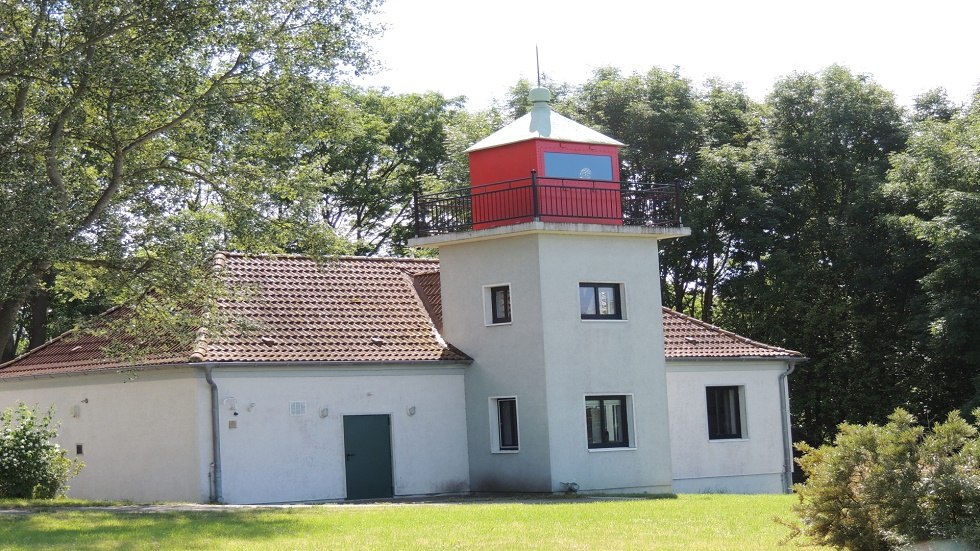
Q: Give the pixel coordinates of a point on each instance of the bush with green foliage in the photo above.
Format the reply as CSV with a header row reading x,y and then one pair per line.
x,y
882,487
32,466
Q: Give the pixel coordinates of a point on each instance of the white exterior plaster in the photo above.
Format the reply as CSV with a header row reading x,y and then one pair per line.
x,y
551,359
145,435
507,358
752,464
272,456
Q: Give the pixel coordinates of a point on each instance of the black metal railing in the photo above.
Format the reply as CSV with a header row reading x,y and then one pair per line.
x,y
547,199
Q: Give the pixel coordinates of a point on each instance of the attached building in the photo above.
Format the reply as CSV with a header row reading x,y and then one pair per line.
x,y
337,379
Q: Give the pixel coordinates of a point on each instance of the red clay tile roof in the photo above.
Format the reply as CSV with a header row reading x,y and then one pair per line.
x,y
82,351
285,308
344,310
290,308
687,337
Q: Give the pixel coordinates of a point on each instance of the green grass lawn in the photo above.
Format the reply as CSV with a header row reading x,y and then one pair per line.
x,y
709,522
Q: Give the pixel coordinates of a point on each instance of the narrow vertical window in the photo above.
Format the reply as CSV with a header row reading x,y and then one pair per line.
x,y
507,423
500,304
503,423
600,301
606,421
724,412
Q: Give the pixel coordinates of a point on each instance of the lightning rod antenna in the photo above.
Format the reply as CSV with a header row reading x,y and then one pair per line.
x,y
537,61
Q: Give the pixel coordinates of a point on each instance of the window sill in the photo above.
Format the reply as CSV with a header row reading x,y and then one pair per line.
x,y
724,440
615,449
611,320
505,451
498,324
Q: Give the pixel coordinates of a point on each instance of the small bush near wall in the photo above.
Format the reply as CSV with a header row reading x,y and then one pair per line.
x,y
31,465
883,487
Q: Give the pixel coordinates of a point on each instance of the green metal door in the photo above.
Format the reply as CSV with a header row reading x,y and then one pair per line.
x,y
367,447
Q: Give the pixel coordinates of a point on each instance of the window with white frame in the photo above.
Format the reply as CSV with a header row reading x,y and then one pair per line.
x,y
607,421
600,301
496,304
503,421
726,415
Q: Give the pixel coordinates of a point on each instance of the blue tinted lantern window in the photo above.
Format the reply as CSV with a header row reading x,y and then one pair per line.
x,y
578,166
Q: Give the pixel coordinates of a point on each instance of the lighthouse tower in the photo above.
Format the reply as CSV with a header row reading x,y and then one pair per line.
x,y
550,282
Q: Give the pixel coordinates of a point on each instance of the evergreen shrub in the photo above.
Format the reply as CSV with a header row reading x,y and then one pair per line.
x,y
883,487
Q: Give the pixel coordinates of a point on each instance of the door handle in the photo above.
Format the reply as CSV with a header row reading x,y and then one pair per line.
x,y
347,456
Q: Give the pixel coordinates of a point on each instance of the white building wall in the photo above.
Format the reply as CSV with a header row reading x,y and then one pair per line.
x,y
551,359
145,436
508,358
605,357
752,464
273,456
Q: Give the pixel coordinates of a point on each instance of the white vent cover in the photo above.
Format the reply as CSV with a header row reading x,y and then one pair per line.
x,y
297,408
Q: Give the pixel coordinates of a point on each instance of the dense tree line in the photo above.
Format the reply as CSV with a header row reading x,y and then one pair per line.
x,y
826,219
138,137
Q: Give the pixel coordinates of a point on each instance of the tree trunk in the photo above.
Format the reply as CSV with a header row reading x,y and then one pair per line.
x,y
678,295
39,303
16,299
707,305
8,318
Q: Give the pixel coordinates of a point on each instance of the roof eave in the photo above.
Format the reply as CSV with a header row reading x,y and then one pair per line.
x,y
346,363
794,359
86,372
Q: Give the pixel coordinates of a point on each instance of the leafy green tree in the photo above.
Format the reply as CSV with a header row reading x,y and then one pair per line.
x,y
826,273
371,159
659,115
937,182
113,118
723,203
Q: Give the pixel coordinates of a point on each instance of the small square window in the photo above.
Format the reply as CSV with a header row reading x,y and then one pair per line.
x,y
600,301
503,417
725,412
606,421
496,304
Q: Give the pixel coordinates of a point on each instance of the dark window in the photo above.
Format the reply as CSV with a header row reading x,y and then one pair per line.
x,y
599,301
500,304
507,423
724,412
578,166
605,421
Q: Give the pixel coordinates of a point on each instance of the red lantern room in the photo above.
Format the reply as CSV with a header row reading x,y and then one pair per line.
x,y
545,166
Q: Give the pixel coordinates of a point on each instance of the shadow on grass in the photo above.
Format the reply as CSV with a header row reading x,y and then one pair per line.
x,y
116,530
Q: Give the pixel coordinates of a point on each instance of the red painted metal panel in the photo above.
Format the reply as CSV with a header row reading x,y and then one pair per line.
x,y
492,172
500,179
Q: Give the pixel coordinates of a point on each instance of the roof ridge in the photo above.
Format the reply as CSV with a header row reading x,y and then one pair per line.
x,y
223,255
735,336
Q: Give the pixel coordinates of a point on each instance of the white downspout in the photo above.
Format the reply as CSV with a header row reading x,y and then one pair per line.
x,y
787,430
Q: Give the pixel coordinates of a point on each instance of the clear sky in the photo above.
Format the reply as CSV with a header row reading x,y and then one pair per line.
x,y
480,48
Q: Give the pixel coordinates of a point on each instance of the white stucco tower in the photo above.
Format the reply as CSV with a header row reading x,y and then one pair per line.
x,y
550,282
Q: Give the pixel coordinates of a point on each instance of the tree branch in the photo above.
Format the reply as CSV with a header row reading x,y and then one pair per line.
x,y
115,180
